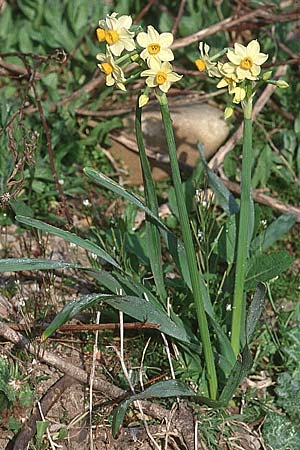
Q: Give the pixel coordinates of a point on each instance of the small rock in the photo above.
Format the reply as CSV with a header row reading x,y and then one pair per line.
x,y
191,123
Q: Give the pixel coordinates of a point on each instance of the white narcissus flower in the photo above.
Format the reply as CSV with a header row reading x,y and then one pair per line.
x,y
160,74
204,64
115,32
114,74
247,60
156,46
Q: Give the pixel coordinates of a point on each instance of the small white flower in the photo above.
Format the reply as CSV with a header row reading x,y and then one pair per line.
x,y
86,202
113,73
61,182
247,60
94,256
156,46
115,32
160,74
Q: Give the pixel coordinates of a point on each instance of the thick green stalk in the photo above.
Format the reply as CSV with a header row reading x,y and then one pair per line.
x,y
244,227
189,248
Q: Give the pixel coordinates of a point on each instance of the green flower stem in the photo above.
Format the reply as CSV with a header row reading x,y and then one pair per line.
x,y
189,248
243,237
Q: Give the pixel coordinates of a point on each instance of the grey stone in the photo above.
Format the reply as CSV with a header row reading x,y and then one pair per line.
x,y
192,123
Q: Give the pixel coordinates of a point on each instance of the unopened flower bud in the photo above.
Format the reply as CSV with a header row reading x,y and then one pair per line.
x,y
228,112
267,75
143,100
282,84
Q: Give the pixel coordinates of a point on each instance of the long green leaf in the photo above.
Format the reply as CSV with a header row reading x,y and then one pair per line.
x,y
152,233
19,264
69,237
139,308
238,373
143,309
163,389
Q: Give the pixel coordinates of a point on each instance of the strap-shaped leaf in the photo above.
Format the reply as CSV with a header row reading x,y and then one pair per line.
x,y
163,389
139,308
69,237
19,264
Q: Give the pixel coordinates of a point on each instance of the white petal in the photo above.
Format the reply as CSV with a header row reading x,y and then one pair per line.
x,y
253,48
117,48
153,34
235,59
143,39
206,49
255,70
240,50
173,77
148,72
260,58
166,54
129,44
125,21
121,86
166,39
101,57
165,86
166,67
109,80
151,82
144,54
154,64
222,83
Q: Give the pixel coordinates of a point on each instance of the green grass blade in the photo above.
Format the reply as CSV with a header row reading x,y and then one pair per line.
x,y
69,237
19,264
152,233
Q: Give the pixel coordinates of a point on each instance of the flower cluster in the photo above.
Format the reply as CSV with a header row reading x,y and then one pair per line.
x,y
240,73
150,50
